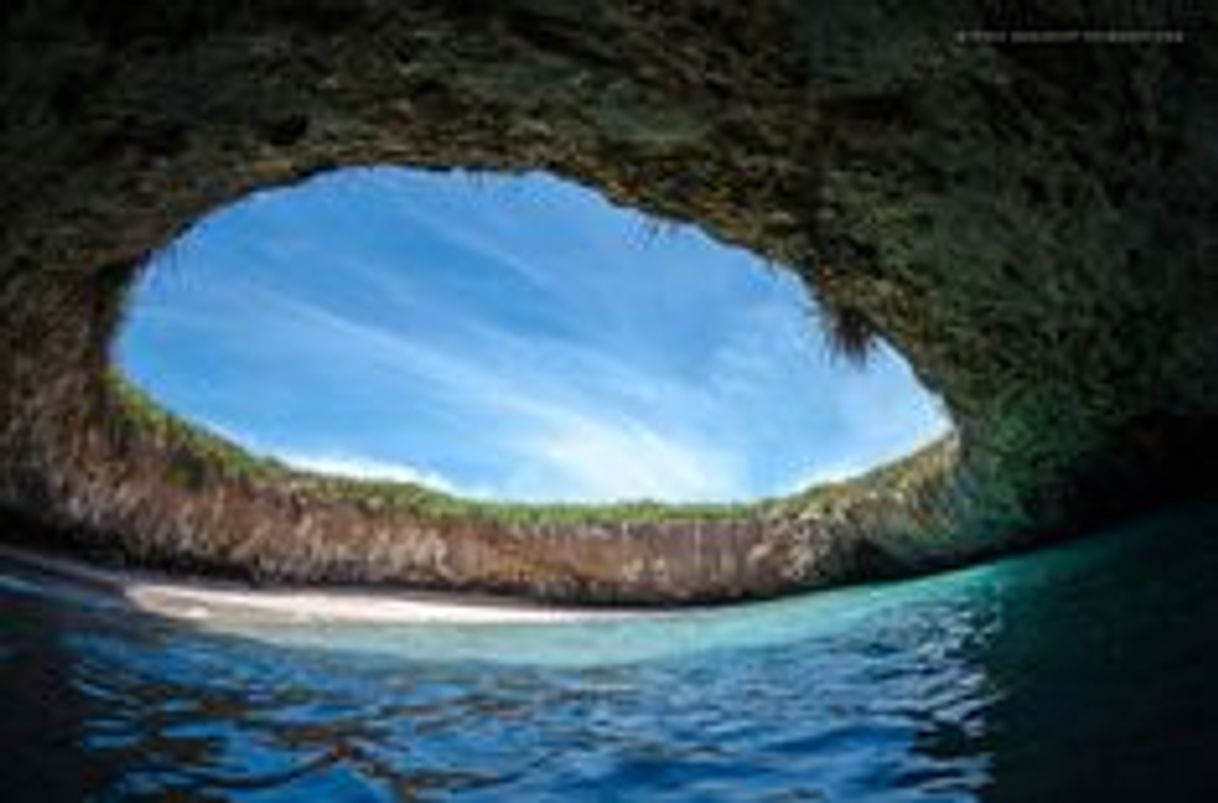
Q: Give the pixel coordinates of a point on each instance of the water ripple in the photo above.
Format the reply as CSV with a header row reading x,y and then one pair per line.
x,y
981,683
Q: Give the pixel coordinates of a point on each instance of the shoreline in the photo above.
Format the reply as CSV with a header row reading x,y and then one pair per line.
x,y
198,600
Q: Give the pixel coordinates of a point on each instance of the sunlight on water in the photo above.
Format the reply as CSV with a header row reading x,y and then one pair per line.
x,y
565,637
977,684
647,636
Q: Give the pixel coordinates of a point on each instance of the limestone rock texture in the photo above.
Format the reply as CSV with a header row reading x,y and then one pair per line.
x,y
1034,224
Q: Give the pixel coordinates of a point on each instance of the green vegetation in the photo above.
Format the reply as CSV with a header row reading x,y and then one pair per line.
x,y
191,444
207,454
141,417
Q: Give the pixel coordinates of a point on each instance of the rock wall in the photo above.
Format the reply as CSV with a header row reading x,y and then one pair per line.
x,y
1030,224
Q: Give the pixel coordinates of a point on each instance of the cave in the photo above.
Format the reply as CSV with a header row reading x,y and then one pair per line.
x,y
1030,231
1018,198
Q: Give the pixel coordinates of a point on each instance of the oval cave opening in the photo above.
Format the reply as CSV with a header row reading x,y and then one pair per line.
x,y
515,338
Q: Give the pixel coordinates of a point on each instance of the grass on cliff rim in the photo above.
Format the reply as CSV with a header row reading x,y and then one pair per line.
x,y
212,459
222,460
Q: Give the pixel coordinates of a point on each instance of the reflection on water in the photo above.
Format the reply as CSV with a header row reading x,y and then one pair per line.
x,y
1083,673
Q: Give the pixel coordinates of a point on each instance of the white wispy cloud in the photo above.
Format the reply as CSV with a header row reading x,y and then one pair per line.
x,y
564,433
577,457
563,442
364,468
574,458
340,463
589,381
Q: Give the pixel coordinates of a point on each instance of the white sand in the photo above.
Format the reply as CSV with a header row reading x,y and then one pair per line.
x,y
206,600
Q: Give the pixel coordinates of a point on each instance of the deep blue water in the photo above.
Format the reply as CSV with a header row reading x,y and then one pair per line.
x,y
1085,673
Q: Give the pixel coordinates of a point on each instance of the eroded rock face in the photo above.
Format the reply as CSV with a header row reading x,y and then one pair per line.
x,y
1030,224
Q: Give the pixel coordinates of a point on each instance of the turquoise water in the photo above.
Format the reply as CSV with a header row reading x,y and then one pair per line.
x,y
1079,673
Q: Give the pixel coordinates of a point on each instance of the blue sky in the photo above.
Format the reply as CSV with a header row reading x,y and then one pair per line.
x,y
506,337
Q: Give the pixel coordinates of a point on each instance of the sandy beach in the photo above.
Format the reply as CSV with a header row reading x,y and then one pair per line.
x,y
205,600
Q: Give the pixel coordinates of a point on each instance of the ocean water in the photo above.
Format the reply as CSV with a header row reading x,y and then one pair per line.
x,y
1084,672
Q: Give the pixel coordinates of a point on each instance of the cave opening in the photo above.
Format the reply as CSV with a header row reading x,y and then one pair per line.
x,y
507,337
